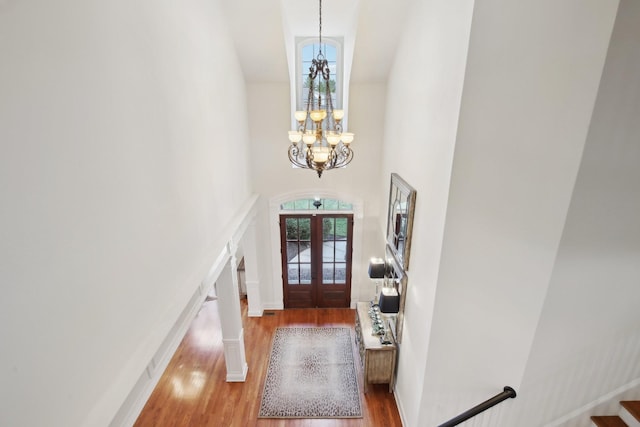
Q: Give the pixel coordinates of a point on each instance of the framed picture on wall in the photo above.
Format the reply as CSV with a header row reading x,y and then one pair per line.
x,y
402,199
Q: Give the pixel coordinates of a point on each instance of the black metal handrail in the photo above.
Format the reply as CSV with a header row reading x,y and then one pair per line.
x,y
506,394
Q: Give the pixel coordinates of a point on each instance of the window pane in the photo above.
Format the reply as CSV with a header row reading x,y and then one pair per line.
x,y
329,52
331,204
307,54
302,204
326,204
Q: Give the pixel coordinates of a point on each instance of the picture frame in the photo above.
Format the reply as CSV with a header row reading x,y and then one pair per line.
x,y
401,211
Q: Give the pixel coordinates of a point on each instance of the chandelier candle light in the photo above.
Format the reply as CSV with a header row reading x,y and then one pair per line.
x,y
319,142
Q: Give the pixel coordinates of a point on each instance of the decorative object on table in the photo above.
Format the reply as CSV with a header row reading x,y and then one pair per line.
x,y
319,142
377,322
311,374
402,199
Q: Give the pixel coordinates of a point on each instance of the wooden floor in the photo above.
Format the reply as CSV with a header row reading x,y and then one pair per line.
x,y
193,391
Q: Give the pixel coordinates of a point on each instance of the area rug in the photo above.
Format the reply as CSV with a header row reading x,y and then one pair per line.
x,y
311,374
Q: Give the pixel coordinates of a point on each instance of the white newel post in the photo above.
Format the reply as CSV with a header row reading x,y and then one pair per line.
x,y
252,282
231,323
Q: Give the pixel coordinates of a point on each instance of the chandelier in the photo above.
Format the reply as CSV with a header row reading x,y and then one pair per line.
x,y
319,142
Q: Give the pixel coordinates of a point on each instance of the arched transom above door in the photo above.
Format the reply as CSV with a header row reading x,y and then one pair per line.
x,y
317,203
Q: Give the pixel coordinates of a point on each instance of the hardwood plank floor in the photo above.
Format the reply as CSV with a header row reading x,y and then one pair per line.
x,y
193,391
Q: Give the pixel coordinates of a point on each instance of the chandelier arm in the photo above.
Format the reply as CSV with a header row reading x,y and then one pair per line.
x,y
332,160
293,154
345,156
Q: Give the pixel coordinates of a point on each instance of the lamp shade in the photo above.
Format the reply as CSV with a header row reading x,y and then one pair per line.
x,y
318,115
333,138
309,137
320,154
295,136
376,268
389,301
347,138
300,116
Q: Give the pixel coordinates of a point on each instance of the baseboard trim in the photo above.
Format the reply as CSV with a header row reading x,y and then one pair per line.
x,y
273,306
399,406
238,377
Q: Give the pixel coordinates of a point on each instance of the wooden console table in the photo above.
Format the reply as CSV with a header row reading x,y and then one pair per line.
x,y
378,360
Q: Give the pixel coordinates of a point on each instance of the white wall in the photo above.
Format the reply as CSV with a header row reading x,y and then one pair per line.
x,y
587,342
424,96
123,128
479,276
523,124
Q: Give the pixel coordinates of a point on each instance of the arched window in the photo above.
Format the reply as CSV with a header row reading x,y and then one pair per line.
x,y
307,50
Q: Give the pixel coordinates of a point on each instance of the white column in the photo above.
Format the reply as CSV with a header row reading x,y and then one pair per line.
x,y
252,281
231,323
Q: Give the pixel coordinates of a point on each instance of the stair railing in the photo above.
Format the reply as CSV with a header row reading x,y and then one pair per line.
x,y
506,394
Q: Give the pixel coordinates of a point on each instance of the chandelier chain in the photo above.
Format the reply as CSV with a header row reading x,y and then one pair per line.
x,y
320,25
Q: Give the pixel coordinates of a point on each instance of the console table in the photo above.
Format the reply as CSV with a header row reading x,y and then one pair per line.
x,y
378,360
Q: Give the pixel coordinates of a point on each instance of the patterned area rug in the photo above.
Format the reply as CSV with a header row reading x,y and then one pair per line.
x,y
311,374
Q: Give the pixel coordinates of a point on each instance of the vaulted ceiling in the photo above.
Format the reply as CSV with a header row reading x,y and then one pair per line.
x,y
264,32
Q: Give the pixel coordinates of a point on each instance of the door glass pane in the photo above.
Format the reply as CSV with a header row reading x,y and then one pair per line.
x,y
341,273
328,251
305,229
305,274
341,251
327,273
293,278
298,233
292,228
341,229
328,228
292,252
